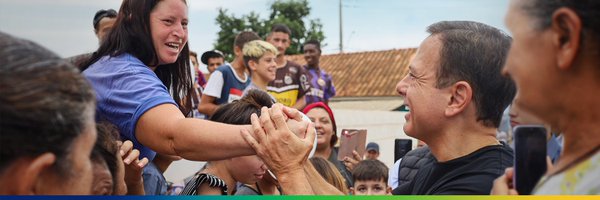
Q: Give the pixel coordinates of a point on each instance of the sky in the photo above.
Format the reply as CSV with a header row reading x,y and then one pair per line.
x,y
65,26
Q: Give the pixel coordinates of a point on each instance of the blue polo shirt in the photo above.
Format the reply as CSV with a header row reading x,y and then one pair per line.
x,y
125,89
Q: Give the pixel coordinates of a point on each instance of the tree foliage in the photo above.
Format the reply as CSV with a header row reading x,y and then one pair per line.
x,y
292,13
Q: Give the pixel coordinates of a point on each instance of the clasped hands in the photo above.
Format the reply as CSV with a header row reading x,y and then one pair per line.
x,y
281,139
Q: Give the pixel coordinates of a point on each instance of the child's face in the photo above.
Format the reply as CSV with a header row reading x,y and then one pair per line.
x,y
370,188
247,169
266,67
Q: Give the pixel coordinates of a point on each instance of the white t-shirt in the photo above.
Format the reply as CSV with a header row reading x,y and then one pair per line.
x,y
216,82
393,175
214,85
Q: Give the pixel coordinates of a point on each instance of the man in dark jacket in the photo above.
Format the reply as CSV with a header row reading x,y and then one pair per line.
x,y
456,96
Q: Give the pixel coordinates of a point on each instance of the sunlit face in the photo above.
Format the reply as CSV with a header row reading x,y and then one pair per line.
x,y
370,188
214,63
105,25
312,54
103,181
280,40
168,25
426,102
266,67
247,169
528,62
323,125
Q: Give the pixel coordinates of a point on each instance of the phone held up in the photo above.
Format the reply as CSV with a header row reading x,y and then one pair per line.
x,y
401,147
530,157
352,139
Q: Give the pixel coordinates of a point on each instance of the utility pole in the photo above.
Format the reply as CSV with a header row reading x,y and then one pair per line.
x,y
341,37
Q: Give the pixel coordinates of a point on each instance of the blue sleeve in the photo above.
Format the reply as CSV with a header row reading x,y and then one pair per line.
x,y
125,91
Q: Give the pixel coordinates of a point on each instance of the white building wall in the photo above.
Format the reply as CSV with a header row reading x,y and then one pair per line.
x,y
383,127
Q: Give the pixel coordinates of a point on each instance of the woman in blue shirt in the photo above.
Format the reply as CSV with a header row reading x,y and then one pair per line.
x,y
141,76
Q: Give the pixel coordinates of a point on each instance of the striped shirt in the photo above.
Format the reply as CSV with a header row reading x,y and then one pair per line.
x,y
191,188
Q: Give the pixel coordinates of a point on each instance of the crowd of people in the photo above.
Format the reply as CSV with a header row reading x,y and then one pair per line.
x,y
111,122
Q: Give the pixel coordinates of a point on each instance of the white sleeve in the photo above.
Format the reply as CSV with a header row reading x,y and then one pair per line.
x,y
393,175
214,85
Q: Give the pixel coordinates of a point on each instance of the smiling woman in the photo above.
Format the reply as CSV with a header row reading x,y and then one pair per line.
x,y
320,114
142,79
566,34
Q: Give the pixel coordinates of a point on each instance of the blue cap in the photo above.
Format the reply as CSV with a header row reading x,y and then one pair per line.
x,y
373,146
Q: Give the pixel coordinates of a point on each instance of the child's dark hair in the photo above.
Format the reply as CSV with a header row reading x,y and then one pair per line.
x,y
106,148
370,170
239,111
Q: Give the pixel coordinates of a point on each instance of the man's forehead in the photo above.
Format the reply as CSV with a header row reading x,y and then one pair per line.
x,y
428,52
280,35
310,46
215,59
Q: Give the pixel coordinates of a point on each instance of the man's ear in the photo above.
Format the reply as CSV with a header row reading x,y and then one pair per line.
x,y
566,36
351,190
237,50
388,190
25,176
460,98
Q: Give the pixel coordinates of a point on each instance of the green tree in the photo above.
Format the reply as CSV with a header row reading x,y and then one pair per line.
x,y
292,13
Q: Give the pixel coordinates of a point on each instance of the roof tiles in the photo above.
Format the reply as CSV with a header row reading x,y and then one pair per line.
x,y
365,74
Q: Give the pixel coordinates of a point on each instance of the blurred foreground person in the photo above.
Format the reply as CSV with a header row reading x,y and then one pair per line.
x,y
566,33
47,122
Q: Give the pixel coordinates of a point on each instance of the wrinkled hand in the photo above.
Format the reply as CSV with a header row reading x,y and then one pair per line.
x,y
503,184
350,163
133,165
281,149
294,121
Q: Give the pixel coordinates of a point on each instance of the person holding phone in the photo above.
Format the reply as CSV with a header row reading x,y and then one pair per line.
x,y
456,96
563,91
320,114
530,156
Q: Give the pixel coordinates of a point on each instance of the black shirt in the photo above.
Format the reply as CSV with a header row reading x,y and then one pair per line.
x,y
470,174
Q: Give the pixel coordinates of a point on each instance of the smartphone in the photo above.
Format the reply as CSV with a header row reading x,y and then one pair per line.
x,y
401,147
530,157
352,139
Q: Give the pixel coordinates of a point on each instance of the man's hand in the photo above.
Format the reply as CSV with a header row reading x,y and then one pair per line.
x,y
294,121
503,184
282,150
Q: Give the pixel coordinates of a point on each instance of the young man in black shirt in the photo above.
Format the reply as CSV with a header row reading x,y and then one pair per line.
x,y
456,96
